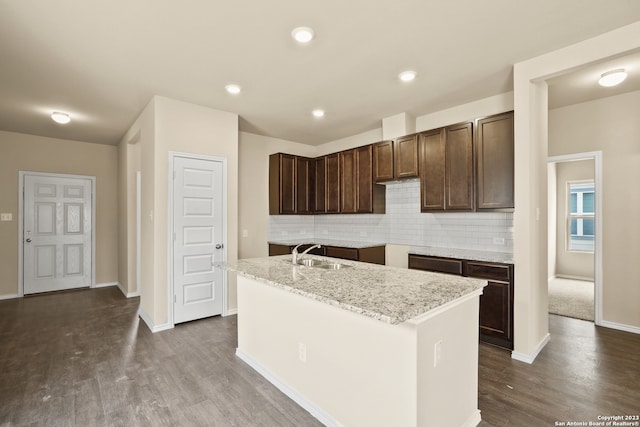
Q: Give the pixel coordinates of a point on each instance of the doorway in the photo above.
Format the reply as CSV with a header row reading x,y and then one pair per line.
x,y
56,225
198,232
575,248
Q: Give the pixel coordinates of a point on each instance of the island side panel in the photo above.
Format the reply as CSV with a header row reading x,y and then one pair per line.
x,y
358,370
448,388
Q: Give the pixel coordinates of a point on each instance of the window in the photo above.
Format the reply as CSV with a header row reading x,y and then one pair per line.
x,y
581,216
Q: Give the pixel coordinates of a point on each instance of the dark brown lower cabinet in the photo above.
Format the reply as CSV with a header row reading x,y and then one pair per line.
x,y
496,301
372,254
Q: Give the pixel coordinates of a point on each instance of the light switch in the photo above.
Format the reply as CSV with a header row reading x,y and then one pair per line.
x,y
6,217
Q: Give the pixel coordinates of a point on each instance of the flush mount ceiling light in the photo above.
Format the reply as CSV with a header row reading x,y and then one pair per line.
x,y
62,118
407,76
233,89
302,34
612,78
318,113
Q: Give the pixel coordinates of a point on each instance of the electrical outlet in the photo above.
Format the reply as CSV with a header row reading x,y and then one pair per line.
x,y
498,240
437,353
245,233
302,352
6,217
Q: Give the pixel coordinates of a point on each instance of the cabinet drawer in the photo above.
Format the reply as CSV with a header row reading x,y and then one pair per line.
x,y
483,270
440,265
344,253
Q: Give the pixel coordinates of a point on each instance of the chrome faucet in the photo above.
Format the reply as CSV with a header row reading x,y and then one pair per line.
x,y
294,254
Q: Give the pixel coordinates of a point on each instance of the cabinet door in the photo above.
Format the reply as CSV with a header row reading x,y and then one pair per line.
x,y
494,162
348,183
321,185
282,182
332,168
305,188
495,314
406,157
383,161
364,179
459,167
432,165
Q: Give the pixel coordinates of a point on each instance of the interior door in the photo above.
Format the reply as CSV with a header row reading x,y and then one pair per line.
x,y
198,238
57,233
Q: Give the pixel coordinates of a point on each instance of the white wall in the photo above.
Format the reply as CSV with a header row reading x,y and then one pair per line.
x,y
612,126
530,224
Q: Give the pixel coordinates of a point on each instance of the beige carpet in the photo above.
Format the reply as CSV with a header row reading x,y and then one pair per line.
x,y
571,298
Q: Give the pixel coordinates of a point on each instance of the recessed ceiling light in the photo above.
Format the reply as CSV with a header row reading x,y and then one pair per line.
x,y
612,78
302,34
62,118
233,89
318,113
407,76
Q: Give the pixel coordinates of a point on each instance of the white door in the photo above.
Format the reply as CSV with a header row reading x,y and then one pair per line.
x,y
198,238
57,233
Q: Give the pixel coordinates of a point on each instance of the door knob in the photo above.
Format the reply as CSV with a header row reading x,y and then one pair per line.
x,y
28,240
219,246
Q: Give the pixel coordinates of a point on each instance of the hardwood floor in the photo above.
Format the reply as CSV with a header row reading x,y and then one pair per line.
x,y
84,359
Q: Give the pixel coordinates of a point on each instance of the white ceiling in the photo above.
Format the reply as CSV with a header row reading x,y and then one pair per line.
x,y
102,61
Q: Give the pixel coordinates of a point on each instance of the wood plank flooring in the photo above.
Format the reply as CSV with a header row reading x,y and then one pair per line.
x,y
83,358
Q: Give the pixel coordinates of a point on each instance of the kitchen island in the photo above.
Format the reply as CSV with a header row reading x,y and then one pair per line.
x,y
363,345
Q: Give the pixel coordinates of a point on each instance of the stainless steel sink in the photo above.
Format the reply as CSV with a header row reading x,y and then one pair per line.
x,y
310,262
333,266
318,263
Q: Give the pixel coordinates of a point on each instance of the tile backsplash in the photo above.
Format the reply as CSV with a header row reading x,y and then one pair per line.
x,y
404,224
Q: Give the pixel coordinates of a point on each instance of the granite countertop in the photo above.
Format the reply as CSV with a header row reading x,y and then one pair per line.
x,y
389,294
468,254
326,242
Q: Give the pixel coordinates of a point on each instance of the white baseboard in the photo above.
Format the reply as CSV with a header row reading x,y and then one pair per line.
x,y
231,312
152,326
127,294
580,278
473,420
9,296
530,357
620,326
105,285
293,394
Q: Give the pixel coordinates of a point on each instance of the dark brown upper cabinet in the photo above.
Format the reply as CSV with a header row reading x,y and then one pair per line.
x,y
395,160
291,188
494,162
405,153
432,165
383,161
446,169
305,185
459,167
327,184
358,192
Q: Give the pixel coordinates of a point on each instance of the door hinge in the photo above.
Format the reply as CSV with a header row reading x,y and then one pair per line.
x,y
174,175
174,236
175,298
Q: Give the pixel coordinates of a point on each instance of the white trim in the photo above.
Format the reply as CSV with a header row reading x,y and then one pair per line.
x,y
223,161
21,175
127,294
106,284
138,230
530,357
570,277
598,177
620,327
473,420
9,296
231,312
292,393
152,327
